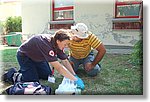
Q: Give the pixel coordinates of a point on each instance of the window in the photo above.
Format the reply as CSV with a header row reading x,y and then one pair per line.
x,y
62,14
128,14
63,10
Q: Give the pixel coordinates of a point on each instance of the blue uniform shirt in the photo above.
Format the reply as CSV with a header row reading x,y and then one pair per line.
x,y
42,48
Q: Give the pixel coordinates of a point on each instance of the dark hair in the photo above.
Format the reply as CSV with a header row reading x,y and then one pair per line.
x,y
61,35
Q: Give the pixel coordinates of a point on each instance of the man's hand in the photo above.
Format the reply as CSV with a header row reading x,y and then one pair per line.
x,y
89,66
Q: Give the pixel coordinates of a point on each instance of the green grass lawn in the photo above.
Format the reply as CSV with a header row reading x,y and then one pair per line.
x,y
117,77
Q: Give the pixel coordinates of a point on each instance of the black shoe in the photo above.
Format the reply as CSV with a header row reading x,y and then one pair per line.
x,y
8,76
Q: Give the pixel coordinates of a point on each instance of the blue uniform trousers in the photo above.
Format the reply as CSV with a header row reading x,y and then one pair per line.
x,y
32,70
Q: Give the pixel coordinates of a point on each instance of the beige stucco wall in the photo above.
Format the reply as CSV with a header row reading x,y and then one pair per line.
x,y
98,17
35,15
96,14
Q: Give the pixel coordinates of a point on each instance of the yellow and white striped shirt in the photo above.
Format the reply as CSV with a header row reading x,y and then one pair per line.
x,y
81,49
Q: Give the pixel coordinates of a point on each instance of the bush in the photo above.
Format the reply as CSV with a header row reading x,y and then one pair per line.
x,y
137,55
13,24
1,27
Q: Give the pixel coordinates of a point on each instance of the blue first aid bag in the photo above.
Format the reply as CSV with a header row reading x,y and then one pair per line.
x,y
28,88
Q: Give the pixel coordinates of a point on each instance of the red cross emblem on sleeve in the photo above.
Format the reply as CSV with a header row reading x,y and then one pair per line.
x,y
51,53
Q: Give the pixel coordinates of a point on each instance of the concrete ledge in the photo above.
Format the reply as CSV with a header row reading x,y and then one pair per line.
x,y
62,22
118,49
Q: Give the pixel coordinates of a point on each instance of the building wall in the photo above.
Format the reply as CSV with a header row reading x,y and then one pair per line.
x,y
97,15
35,15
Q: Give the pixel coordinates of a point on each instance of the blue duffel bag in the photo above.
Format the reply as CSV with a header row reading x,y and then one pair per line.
x,y
28,88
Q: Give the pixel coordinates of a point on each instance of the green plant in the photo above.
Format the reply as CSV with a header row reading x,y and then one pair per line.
x,y
1,27
13,24
137,55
